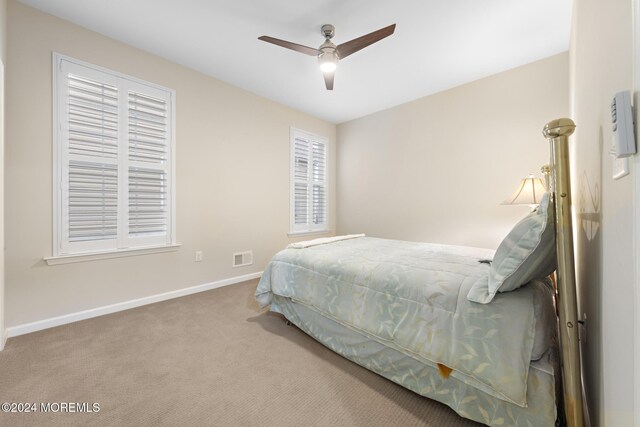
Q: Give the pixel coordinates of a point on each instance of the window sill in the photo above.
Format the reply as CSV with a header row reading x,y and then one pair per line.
x,y
94,256
307,233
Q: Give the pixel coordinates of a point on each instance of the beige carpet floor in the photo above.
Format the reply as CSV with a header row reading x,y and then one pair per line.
x,y
211,358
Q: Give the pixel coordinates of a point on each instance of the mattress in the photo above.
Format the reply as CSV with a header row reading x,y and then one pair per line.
x,y
411,297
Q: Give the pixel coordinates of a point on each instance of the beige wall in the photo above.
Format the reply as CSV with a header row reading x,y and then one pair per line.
x,y
3,30
437,169
232,175
601,64
3,58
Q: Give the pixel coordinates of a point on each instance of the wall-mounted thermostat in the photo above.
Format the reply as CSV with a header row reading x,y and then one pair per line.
x,y
622,120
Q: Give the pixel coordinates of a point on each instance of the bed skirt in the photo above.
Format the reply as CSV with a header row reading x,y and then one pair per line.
x,y
424,378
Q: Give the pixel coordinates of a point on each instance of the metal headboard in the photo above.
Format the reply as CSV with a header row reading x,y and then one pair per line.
x,y
557,132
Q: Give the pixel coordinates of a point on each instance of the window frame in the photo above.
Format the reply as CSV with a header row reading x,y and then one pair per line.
x,y
62,253
296,230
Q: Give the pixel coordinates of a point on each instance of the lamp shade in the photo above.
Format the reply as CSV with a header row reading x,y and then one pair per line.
x,y
529,192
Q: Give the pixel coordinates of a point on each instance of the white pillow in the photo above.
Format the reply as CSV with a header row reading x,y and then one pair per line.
x,y
528,252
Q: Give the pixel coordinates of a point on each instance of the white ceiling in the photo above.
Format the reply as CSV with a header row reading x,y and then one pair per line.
x,y
437,44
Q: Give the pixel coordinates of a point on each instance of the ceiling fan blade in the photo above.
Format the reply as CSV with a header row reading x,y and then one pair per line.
x,y
328,79
346,49
293,46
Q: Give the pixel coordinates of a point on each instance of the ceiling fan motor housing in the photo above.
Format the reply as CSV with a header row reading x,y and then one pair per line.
x,y
328,31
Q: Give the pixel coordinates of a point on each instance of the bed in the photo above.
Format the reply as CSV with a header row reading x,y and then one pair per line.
x,y
473,328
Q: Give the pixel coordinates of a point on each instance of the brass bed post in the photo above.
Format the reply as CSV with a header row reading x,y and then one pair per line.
x,y
557,132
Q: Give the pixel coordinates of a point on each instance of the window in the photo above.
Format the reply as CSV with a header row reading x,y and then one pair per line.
x,y
308,183
113,161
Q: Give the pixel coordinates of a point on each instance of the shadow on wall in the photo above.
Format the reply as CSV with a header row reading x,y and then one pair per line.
x,y
589,272
589,207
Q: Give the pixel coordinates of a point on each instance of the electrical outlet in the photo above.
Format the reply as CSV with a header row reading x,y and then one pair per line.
x,y
198,256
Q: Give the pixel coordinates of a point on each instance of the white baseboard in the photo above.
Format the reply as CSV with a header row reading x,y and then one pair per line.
x,y
52,322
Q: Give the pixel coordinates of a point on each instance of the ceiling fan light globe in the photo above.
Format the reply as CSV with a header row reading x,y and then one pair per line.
x,y
328,67
328,59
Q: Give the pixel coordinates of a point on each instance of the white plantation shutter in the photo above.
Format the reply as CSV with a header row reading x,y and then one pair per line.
x,y
148,151
319,181
308,182
92,202
301,182
112,161
92,132
148,209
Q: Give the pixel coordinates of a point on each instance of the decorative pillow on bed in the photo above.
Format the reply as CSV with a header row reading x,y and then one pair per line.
x,y
528,252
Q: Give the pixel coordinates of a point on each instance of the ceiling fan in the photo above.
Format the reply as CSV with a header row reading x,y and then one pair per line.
x,y
328,53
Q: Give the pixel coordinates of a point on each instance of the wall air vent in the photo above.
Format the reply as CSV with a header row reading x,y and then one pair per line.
x,y
241,259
